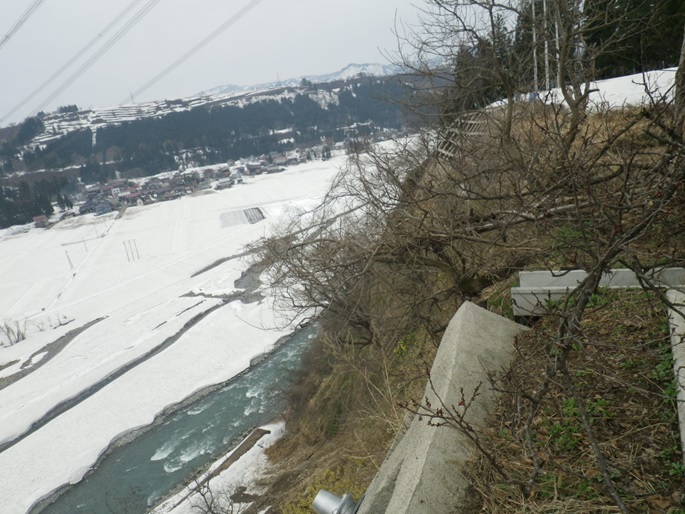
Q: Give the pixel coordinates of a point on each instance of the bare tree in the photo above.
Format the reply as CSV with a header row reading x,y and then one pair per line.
x,y
12,332
491,186
207,500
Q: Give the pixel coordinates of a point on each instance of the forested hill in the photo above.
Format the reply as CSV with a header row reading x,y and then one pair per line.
x,y
146,139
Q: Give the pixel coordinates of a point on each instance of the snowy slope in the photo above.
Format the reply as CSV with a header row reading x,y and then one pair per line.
x,y
631,90
348,72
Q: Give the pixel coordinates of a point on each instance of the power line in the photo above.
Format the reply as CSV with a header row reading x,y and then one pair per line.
x,y
77,56
22,19
98,55
211,37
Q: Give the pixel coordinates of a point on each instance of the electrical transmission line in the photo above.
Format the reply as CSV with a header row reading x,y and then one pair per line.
x,y
71,61
22,19
211,37
98,55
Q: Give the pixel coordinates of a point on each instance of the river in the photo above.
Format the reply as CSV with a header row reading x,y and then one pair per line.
x,y
134,476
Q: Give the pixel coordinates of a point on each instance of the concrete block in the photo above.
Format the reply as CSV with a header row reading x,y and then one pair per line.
x,y
423,472
533,301
551,278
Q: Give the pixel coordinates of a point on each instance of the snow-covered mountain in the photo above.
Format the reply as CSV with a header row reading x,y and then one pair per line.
x,y
348,72
58,124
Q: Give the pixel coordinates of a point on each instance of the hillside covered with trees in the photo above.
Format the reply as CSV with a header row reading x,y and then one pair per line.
x,y
305,117
229,130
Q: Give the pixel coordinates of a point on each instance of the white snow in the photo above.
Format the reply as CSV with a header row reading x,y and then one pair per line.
x,y
632,90
637,90
133,272
246,471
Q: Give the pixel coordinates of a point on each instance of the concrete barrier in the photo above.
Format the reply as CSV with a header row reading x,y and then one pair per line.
x,y
537,288
423,473
677,325
614,278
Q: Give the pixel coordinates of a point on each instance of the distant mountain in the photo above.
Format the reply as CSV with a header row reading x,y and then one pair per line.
x,y
146,138
348,72
58,124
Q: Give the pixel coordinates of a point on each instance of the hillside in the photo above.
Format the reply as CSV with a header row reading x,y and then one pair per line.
x,y
234,124
587,420
50,157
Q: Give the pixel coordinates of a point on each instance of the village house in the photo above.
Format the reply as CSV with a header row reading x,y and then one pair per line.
x,y
254,168
40,221
131,198
92,190
224,183
103,208
113,188
279,160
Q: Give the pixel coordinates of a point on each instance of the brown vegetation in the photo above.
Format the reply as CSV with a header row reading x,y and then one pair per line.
x,y
408,233
575,432
622,373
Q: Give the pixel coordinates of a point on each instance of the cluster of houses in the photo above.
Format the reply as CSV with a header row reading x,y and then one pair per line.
x,y
101,199
270,163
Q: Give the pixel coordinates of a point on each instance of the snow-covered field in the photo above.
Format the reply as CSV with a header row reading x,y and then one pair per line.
x,y
133,272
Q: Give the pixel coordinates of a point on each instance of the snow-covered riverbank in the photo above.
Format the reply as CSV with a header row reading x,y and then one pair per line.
x,y
70,273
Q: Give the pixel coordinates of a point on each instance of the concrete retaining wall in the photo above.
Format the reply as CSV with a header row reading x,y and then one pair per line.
x,y
422,473
537,288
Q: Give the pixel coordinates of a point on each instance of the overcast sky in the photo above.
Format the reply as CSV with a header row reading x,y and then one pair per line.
x,y
275,39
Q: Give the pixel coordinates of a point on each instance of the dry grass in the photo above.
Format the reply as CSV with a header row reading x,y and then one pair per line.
x,y
344,411
344,414
623,371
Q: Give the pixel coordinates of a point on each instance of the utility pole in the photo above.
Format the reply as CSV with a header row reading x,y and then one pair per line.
x,y
131,247
535,50
544,14
556,40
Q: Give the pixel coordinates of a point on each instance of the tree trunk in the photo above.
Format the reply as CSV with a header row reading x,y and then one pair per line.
x,y
679,101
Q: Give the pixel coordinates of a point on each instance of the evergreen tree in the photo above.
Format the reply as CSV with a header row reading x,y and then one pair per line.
x,y
41,205
631,36
30,128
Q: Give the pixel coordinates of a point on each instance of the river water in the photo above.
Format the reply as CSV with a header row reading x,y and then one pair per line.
x,y
136,475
